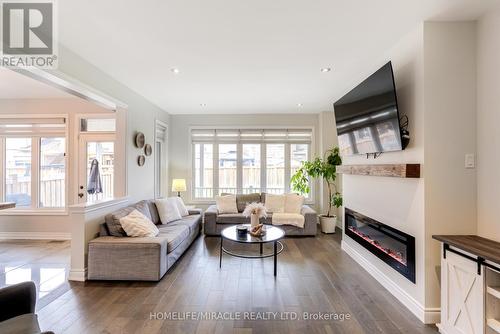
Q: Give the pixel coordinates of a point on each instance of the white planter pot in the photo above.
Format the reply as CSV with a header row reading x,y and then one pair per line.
x,y
328,224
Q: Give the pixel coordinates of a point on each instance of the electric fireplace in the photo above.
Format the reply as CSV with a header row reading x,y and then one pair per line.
x,y
392,246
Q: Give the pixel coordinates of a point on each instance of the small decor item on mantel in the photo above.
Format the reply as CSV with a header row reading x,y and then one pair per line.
x,y
255,211
141,160
148,150
258,231
140,140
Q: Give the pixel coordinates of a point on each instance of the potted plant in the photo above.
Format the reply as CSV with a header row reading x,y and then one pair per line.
x,y
325,168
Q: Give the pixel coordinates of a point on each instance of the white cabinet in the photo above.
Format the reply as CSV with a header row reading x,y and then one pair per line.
x,y
462,296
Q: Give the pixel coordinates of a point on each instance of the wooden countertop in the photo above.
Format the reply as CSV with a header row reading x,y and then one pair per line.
x,y
482,247
7,205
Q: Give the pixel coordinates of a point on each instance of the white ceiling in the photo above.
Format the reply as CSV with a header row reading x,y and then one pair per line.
x,y
243,56
17,86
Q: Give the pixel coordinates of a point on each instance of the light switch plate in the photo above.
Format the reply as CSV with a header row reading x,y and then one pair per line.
x,y
470,160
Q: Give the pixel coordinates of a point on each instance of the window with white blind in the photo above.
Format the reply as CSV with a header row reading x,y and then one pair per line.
x,y
246,160
33,162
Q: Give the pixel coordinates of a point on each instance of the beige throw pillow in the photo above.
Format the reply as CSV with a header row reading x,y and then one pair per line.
x,y
167,210
293,203
179,203
136,224
226,204
275,203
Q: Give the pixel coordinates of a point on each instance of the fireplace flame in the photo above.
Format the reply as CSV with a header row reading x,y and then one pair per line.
x,y
395,255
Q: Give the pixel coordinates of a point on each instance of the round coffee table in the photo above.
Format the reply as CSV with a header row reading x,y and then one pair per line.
x,y
273,234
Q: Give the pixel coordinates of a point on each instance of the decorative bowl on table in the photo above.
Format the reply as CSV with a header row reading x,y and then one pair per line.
x,y
258,231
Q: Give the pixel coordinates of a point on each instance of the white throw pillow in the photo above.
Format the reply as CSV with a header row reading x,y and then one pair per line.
x,y
226,204
179,203
167,210
275,203
293,203
136,224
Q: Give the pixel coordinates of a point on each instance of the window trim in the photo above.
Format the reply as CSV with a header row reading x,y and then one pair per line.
x,y
162,161
263,142
35,166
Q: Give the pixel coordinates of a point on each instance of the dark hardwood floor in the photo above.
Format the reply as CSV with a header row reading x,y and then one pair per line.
x,y
314,276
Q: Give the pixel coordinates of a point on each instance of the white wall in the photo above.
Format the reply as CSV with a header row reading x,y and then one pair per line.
x,y
449,134
141,117
435,74
402,203
488,120
180,150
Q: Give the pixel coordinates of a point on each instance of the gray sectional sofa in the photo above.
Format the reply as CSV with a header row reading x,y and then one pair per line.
x,y
214,222
114,256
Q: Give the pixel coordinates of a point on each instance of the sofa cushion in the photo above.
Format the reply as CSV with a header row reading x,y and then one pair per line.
x,y
275,203
232,218
293,203
226,204
135,224
155,216
167,209
175,235
243,200
26,323
181,207
112,220
192,222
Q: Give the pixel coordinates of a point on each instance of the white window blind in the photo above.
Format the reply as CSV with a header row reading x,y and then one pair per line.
x,y
251,135
32,126
247,160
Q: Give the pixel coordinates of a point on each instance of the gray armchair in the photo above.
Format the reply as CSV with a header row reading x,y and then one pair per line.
x,y
17,309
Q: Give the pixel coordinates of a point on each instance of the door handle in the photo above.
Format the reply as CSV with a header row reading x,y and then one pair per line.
x,y
80,195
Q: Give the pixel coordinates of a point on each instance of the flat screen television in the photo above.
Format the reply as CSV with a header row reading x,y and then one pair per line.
x,y
367,118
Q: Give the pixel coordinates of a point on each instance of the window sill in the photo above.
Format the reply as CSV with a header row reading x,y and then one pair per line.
x,y
27,212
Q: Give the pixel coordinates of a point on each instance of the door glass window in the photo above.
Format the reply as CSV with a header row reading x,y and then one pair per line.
x,y
100,170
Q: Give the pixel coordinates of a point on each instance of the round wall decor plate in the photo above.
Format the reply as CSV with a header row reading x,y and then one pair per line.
x,y
141,160
140,140
148,150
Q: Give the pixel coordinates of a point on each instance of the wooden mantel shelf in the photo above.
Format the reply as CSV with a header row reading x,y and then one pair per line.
x,y
388,170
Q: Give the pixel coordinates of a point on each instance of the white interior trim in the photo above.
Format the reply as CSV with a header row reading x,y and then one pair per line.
x,y
425,315
79,275
74,87
35,235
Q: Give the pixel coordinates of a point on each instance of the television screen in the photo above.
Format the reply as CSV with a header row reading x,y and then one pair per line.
x,y
367,117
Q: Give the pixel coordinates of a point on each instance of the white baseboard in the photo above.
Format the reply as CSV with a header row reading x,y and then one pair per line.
x,y
79,275
35,235
426,315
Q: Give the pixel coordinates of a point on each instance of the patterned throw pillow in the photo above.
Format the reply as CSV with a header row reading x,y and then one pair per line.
x,y
137,224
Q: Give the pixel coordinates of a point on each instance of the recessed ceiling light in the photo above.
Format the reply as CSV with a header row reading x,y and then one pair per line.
x,y
174,70
300,105
326,69
203,105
